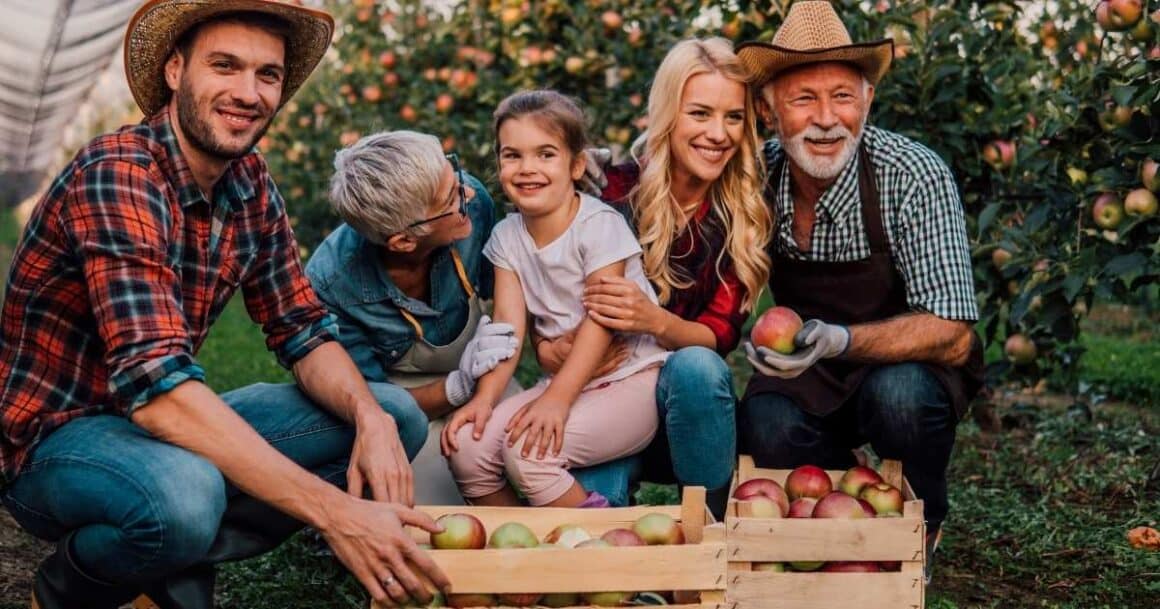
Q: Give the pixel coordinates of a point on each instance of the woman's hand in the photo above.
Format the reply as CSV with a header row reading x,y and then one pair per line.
x,y
476,412
619,305
551,353
543,419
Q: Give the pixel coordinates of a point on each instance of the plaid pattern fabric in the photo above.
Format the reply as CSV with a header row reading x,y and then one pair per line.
x,y
712,299
122,269
922,215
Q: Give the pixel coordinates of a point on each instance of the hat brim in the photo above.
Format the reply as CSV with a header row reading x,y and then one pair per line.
x,y
765,61
156,26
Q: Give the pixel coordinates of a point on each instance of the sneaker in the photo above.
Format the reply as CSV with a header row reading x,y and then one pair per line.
x,y
932,540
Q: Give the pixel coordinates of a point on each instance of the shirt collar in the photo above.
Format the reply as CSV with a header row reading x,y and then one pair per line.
x,y
839,199
235,184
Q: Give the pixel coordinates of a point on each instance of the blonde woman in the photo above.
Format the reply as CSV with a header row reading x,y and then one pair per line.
x,y
693,194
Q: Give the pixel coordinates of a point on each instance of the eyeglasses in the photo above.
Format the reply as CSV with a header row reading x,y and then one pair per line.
x,y
454,160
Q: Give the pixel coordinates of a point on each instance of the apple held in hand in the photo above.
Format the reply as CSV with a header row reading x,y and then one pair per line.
x,y
775,329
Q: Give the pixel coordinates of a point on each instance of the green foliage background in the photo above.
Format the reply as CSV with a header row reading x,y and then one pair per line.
x,y
966,73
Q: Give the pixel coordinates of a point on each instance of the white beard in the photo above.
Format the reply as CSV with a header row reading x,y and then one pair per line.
x,y
822,167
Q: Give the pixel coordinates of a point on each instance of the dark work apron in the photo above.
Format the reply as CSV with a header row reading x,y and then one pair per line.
x,y
849,293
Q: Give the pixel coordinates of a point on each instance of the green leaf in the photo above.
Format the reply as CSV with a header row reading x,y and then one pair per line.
x,y
1072,285
1123,94
1126,267
987,216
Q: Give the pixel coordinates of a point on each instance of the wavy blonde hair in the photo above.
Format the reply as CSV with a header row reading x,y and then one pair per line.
x,y
736,196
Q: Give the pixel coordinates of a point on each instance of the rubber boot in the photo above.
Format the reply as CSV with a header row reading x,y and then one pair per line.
x,y
249,528
61,584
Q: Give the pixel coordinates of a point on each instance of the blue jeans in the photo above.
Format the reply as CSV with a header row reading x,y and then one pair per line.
x,y
143,509
902,410
698,444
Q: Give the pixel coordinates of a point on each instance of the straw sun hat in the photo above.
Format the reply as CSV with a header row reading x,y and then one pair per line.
x,y
158,24
812,33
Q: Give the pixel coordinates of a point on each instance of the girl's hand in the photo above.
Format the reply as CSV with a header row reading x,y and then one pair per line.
x,y
551,354
618,304
543,418
476,412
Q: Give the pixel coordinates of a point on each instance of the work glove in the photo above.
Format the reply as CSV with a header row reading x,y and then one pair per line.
x,y
491,344
594,181
816,340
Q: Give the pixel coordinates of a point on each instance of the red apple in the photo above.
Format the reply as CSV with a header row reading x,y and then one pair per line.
x,y
762,486
808,481
461,601
460,532
519,599
567,535
883,497
1119,15
776,328
999,154
622,537
1107,211
611,20
851,567
512,535
867,509
1140,202
658,529
1020,349
773,567
802,507
840,505
857,477
1000,257
761,506
1150,173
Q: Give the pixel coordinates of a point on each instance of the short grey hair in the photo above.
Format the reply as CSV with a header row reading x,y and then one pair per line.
x,y
385,181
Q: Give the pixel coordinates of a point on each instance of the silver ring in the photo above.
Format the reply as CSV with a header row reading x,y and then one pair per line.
x,y
387,582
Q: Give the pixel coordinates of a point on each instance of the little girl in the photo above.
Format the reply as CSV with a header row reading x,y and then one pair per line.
x,y
543,256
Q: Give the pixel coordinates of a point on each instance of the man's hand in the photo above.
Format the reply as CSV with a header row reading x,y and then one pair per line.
x,y
492,343
379,461
594,181
476,412
816,340
551,353
543,419
369,538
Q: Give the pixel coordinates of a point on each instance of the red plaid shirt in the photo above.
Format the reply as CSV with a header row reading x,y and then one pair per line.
x,y
122,269
713,299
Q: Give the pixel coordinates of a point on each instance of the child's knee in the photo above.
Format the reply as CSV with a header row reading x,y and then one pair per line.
x,y
534,476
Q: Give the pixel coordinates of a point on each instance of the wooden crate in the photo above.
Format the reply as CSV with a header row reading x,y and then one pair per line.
x,y
753,540
696,569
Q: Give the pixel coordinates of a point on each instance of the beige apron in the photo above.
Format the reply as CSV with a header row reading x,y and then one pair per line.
x,y
424,364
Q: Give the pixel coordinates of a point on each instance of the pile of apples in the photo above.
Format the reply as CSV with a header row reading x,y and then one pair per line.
x,y
466,532
809,493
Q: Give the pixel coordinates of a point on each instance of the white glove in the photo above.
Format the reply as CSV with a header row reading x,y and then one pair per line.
x,y
491,344
816,340
594,181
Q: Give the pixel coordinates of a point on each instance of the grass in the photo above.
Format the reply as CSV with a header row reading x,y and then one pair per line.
x,y
1039,511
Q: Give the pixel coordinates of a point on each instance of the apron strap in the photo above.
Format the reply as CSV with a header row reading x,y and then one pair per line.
x,y
463,281
871,206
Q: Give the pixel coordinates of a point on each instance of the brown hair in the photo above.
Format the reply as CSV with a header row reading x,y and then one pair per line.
x,y
552,110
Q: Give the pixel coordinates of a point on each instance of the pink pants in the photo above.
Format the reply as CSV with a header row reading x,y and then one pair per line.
x,y
605,423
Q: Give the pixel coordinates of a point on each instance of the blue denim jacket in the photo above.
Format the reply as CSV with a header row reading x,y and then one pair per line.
x,y
346,273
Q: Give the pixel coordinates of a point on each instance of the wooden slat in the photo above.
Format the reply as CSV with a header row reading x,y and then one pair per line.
x,y
759,590
686,567
693,513
891,472
772,539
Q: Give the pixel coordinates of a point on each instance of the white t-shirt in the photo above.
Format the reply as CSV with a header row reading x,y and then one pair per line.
x,y
553,277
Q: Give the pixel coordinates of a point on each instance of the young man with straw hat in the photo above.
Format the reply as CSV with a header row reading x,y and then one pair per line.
x,y
111,443
871,248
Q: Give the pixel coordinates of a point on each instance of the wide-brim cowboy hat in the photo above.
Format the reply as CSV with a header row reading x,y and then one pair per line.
x,y
813,33
158,24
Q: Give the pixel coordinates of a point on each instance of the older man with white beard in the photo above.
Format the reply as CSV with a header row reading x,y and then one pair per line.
x,y
871,249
